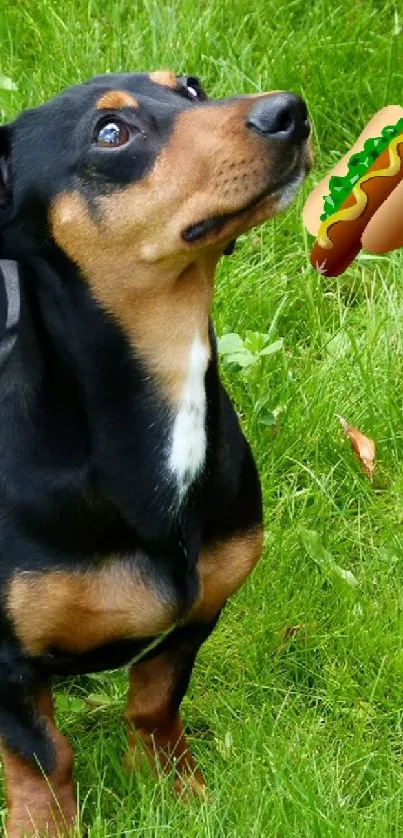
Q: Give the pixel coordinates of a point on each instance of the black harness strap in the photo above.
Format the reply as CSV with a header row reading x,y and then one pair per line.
x,y
10,292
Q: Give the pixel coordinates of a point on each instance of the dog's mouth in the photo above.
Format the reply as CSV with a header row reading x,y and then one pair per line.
x,y
215,224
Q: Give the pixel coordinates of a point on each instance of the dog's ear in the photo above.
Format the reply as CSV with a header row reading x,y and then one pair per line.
x,y
5,153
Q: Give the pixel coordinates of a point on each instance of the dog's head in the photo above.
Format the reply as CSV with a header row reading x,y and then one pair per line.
x,y
145,169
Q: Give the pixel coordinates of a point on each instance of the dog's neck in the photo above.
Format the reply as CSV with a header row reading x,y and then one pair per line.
x,y
158,317
162,322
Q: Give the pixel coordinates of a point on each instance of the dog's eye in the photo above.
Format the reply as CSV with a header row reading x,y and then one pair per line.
x,y
112,134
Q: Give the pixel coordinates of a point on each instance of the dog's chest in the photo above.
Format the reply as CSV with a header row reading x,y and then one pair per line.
x,y
188,438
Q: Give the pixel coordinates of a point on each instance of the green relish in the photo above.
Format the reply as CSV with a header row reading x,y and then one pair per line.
x,y
358,165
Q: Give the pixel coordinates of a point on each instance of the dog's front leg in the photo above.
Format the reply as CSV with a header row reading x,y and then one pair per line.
x,y
37,762
158,684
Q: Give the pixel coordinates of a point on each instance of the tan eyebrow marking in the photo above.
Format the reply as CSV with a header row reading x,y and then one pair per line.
x,y
117,99
165,77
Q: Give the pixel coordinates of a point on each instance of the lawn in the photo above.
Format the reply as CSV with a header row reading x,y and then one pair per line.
x,y
295,706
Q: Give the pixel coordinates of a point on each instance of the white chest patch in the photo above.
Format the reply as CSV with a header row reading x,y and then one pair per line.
x,y
188,442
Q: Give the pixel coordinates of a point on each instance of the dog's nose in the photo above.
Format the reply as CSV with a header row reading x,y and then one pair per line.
x,y
281,116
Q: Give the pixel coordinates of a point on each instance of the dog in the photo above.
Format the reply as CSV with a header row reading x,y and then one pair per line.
x,y
130,504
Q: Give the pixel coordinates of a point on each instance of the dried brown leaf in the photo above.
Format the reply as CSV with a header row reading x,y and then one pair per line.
x,y
286,635
363,446
290,631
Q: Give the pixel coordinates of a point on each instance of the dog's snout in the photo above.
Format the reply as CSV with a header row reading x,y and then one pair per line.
x,y
281,116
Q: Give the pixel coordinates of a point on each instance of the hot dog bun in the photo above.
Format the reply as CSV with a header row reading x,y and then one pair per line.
x,y
384,231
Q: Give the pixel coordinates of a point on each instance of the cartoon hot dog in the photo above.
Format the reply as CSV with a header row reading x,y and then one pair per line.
x,y
360,204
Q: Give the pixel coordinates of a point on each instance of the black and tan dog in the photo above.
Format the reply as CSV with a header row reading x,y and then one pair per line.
x,y
130,506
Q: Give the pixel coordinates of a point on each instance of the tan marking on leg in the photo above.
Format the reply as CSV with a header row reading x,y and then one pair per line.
x,y
155,729
40,805
223,569
115,99
79,611
165,77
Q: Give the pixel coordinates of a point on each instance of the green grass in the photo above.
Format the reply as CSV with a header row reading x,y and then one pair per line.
x,y
300,736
